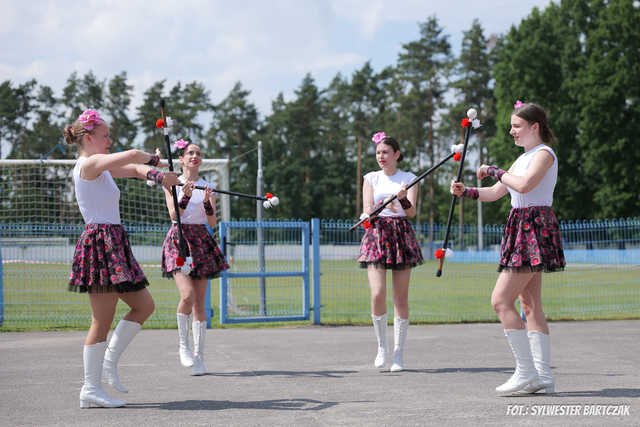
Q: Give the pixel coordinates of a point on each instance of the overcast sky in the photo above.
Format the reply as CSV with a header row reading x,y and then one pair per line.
x,y
269,46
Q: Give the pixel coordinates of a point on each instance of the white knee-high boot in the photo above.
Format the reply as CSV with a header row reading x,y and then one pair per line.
x,y
525,373
120,339
199,331
186,355
92,393
541,352
380,327
400,328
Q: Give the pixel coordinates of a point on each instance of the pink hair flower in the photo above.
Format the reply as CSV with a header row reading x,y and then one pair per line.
x,y
181,143
378,137
518,104
90,119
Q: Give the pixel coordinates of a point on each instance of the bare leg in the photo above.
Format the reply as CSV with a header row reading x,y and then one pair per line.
x,y
378,287
531,301
508,287
400,280
141,305
187,292
200,292
103,309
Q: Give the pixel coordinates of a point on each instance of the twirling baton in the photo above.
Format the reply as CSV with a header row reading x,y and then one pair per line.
x,y
444,252
269,199
456,149
182,247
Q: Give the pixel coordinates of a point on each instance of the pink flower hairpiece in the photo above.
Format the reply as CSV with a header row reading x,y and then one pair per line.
x,y
90,119
378,137
518,104
181,143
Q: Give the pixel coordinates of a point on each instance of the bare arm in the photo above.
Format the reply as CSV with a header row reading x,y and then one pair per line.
x,y
168,197
131,170
98,163
367,197
412,196
542,161
485,194
211,196
540,164
493,193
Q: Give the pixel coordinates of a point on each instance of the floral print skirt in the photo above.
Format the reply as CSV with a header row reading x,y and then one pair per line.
x,y
103,261
390,243
208,260
531,241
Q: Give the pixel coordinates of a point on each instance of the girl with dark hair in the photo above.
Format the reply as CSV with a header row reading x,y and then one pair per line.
x,y
389,244
103,263
205,260
531,244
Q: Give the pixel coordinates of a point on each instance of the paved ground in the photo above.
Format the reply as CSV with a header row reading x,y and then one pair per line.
x,y
324,376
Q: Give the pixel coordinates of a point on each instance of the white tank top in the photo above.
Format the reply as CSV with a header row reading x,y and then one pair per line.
x,y
385,186
98,199
194,213
542,195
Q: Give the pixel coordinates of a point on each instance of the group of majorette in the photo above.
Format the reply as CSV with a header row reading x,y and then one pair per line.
x,y
105,268
103,262
531,242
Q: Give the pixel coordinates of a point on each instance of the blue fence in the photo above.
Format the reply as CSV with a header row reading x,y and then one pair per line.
x,y
601,280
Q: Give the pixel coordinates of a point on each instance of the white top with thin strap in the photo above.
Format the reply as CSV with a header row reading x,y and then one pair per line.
x,y
542,195
194,213
385,186
98,199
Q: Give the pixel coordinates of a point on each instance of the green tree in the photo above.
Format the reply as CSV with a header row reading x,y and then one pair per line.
x,y
537,62
147,114
232,135
122,129
368,110
187,106
83,93
423,70
24,103
608,95
10,125
292,139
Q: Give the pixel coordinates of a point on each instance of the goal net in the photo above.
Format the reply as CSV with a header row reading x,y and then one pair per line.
x,y
40,223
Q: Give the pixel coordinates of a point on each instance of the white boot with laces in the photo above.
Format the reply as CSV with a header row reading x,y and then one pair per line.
x,y
400,328
380,327
199,331
186,355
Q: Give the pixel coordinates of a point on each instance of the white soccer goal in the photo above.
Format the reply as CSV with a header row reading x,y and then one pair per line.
x,y
40,224
38,207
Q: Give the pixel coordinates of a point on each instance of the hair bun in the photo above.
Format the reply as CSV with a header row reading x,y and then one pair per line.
x,y
68,134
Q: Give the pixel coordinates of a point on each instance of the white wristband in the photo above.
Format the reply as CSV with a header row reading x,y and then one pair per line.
x,y
364,215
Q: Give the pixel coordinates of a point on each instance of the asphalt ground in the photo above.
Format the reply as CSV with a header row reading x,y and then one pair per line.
x,y
324,376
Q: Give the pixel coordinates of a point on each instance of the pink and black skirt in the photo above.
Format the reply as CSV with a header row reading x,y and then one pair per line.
x,y
531,241
390,243
103,261
208,260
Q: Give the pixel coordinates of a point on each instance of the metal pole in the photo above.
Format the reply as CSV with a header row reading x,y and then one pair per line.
x,y
480,222
260,231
